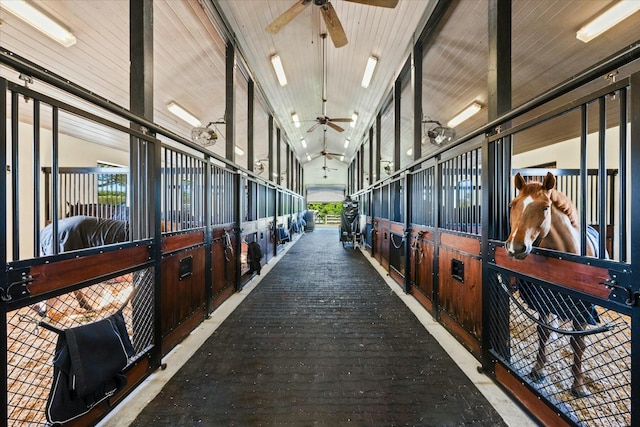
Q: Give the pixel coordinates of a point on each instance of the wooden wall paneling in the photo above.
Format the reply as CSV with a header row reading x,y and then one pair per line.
x,y
175,242
383,246
546,415
217,267
182,297
461,243
55,275
581,277
461,301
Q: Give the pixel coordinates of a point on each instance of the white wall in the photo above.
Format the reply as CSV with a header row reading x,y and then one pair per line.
x,y
314,174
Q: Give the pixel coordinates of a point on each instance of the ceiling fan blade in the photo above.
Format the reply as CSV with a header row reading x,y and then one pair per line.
x,y
334,154
335,127
381,3
341,120
312,128
287,16
334,27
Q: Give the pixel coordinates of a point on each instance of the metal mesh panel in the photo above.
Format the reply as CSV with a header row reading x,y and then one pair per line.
x,y
31,347
524,313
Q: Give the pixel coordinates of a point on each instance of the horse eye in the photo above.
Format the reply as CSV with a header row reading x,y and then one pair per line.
x,y
545,208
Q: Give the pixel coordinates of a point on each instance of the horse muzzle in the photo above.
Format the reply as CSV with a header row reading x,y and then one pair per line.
x,y
516,250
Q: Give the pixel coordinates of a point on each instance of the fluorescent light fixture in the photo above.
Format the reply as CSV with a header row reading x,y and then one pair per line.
x,y
303,142
239,151
183,114
410,152
368,72
37,19
346,143
354,119
464,114
295,118
618,12
342,158
308,157
277,66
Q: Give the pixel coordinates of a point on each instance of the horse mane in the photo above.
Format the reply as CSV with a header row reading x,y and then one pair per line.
x,y
565,205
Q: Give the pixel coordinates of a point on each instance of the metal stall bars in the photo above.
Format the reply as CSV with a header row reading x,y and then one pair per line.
x,y
55,277
459,267
561,323
423,234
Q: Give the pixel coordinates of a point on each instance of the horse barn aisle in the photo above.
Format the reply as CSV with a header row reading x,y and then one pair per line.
x,y
322,340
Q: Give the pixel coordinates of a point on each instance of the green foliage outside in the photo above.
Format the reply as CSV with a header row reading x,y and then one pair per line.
x,y
324,209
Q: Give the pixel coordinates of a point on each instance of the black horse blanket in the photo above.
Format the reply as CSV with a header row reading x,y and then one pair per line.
x,y
79,232
87,367
254,255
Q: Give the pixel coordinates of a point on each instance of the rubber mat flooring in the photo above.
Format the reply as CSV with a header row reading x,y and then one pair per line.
x,y
321,341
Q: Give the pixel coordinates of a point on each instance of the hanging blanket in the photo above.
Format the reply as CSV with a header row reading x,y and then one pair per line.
x,y
87,367
254,255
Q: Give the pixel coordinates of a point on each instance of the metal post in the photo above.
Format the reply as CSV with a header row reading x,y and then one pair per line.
x,y
230,102
270,152
250,108
278,155
634,235
3,239
238,210
416,78
378,142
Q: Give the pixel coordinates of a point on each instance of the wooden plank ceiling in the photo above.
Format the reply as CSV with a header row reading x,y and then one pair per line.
x,y
189,60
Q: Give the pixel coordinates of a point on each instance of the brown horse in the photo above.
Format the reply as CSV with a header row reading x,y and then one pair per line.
x,y
544,217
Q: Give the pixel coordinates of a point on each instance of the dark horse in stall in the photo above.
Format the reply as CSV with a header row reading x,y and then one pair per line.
x,y
80,232
544,217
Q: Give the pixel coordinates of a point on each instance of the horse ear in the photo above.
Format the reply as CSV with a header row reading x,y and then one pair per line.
x,y
549,182
518,181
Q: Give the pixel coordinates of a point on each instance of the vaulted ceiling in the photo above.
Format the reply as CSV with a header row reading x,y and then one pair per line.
x,y
189,61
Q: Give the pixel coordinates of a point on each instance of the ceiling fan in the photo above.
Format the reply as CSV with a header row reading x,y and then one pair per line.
x,y
323,119
326,168
334,27
326,154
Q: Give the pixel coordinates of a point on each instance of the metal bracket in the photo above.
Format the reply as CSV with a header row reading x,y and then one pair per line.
x,y
633,297
19,280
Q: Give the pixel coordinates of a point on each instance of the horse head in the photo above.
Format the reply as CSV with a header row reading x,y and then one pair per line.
x,y
530,216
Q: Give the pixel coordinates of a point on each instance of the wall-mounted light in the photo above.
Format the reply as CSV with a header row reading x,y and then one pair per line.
x,y
239,151
277,66
303,142
40,21
465,114
346,143
296,119
183,114
354,119
410,152
368,71
612,16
